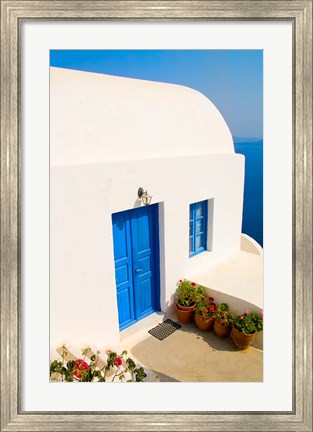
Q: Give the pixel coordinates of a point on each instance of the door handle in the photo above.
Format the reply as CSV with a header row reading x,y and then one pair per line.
x,y
138,271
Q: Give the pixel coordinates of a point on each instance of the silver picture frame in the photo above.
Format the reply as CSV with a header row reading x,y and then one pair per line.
x,y
299,13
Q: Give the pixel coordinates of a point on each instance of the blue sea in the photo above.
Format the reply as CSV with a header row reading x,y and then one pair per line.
x,y
252,223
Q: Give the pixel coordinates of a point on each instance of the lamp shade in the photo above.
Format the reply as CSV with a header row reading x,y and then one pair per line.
x,y
146,199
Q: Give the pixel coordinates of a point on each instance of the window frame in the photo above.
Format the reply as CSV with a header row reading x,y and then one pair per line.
x,y
204,233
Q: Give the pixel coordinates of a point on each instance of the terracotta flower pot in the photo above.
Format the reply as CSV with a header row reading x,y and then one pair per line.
x,y
242,340
184,313
221,330
203,322
186,308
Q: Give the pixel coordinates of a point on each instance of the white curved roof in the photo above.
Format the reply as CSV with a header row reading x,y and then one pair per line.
x,y
97,117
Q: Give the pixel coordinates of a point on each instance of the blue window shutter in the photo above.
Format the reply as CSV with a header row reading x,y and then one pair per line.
x,y
198,223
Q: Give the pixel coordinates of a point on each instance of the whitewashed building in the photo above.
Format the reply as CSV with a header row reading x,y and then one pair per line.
x,y
115,260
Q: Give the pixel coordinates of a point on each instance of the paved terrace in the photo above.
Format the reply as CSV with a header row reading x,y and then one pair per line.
x,y
191,355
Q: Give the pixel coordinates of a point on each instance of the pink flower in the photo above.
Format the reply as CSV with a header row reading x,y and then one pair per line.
x,y
118,361
79,368
193,284
241,317
261,314
246,311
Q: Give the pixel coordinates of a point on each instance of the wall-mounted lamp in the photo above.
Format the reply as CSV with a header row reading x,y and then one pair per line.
x,y
144,196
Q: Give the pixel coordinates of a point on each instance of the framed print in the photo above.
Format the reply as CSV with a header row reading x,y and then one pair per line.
x,y
34,120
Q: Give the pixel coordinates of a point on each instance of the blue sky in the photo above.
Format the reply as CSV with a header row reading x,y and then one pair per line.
x,y
231,79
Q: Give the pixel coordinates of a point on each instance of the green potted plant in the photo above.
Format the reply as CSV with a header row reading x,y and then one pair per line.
x,y
205,311
223,320
186,300
245,327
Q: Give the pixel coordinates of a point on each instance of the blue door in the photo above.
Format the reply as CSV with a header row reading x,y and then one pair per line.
x,y
136,256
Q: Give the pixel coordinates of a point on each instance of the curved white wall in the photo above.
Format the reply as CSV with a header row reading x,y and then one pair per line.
x,y
97,117
110,136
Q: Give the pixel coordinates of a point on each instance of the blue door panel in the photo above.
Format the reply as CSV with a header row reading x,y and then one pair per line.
x,y
121,274
144,284
146,298
144,264
119,221
124,305
143,243
123,269
135,234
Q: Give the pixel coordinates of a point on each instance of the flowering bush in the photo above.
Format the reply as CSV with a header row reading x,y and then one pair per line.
x,y
79,370
223,315
186,293
249,322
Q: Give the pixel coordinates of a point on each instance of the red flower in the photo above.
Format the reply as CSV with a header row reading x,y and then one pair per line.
x,y
193,284
180,281
79,368
118,361
204,311
211,299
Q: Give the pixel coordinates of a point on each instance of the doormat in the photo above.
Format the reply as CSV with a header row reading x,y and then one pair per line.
x,y
166,328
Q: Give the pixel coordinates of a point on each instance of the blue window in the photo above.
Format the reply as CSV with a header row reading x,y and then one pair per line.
x,y
198,223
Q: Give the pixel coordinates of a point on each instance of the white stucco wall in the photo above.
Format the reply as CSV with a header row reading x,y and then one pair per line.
x,y
110,136
83,197
96,117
